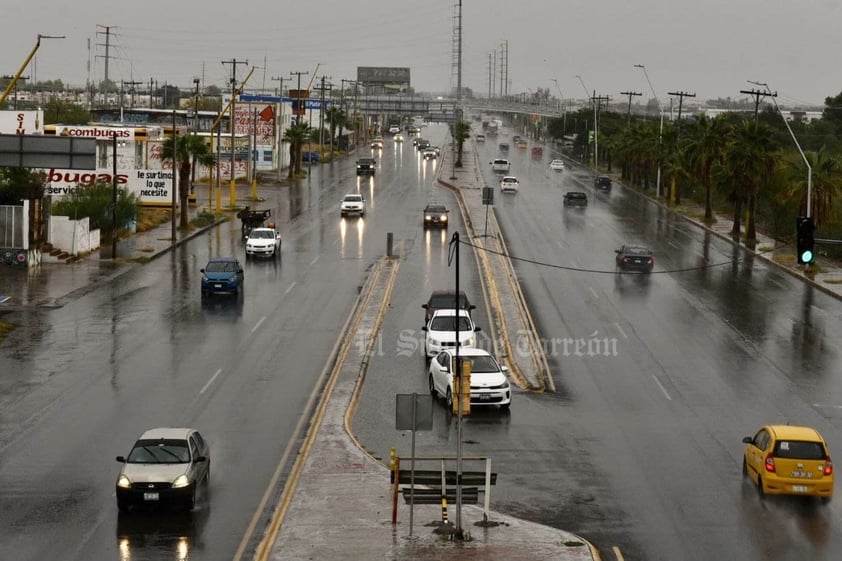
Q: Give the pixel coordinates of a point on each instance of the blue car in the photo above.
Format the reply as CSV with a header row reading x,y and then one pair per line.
x,y
222,275
312,157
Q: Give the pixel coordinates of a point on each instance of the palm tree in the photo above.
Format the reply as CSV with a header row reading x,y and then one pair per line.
x,y
461,132
185,150
709,141
336,118
825,183
296,135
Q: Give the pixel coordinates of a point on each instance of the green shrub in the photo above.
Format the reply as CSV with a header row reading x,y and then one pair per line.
x,y
95,203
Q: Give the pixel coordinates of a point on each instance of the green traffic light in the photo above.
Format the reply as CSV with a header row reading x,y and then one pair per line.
x,y
807,256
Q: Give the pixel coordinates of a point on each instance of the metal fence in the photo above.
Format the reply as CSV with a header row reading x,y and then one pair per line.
x,y
12,226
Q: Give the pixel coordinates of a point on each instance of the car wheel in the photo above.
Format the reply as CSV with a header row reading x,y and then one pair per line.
x,y
745,467
505,406
449,399
760,490
191,500
122,506
825,500
206,479
432,385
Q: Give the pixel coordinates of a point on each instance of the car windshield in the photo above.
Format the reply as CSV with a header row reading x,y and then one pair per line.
x,y
575,195
161,451
637,251
436,209
800,450
221,267
483,364
262,234
353,198
449,323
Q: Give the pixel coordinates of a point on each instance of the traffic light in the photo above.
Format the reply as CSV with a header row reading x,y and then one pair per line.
x,y
805,240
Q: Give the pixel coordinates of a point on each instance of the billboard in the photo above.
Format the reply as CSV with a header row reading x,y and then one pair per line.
x,y
22,122
382,75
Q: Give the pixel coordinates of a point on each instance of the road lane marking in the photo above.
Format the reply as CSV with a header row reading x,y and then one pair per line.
x,y
617,553
820,405
595,295
204,389
253,329
313,262
289,288
673,245
620,329
663,389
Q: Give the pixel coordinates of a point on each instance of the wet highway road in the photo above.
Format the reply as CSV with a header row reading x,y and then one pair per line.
x,y
143,352
658,378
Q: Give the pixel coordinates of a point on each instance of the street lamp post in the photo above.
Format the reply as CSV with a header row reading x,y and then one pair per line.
x,y
563,110
660,129
595,124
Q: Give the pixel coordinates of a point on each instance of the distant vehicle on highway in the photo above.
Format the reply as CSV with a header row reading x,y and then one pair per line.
x,y
500,165
444,299
509,183
489,384
503,146
376,143
366,166
557,165
602,183
480,138
352,203
442,328
435,214
576,199
263,242
222,275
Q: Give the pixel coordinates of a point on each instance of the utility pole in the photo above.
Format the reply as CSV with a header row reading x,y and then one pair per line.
x,y
107,46
596,100
10,77
279,118
757,95
297,112
324,87
233,62
131,86
681,96
628,112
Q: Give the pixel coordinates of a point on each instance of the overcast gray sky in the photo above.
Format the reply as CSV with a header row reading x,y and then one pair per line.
x,y
708,47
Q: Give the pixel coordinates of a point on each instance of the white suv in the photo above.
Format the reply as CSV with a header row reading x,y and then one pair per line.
x,y
353,203
500,165
489,384
441,331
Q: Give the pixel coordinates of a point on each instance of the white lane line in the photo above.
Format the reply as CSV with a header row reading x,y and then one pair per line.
x,y
316,258
289,288
620,329
253,329
203,390
617,553
663,389
672,245
820,405
595,295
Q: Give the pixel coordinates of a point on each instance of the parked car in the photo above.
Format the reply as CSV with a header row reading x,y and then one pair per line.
x,y
265,242
602,183
310,156
222,275
435,215
352,203
557,165
445,299
789,460
500,165
634,258
489,384
576,199
366,166
165,466
442,329
509,183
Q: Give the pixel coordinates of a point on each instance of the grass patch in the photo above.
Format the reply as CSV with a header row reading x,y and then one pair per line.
x,y
5,329
785,259
571,543
148,218
833,281
203,219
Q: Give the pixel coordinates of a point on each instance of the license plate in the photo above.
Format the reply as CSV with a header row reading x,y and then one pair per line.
x,y
150,496
484,397
799,488
217,286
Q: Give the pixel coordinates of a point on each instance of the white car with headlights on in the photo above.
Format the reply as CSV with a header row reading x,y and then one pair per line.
x,y
165,466
442,329
489,384
263,242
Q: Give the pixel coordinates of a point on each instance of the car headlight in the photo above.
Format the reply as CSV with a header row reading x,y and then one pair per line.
x,y
428,217
444,218
434,342
180,481
123,482
470,342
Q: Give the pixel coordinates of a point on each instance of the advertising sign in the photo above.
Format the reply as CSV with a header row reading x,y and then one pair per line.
x,y
382,75
21,122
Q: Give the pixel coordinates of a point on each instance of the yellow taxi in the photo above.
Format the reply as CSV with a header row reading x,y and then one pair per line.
x,y
789,460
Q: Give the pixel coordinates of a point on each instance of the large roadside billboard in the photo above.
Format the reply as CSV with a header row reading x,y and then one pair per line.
x,y
384,75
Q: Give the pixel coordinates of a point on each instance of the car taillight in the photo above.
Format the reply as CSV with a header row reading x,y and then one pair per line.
x,y
770,464
625,259
651,261
828,467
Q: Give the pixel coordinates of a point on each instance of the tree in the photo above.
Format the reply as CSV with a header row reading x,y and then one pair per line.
x,y
296,135
826,183
183,152
461,132
709,140
65,112
17,184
